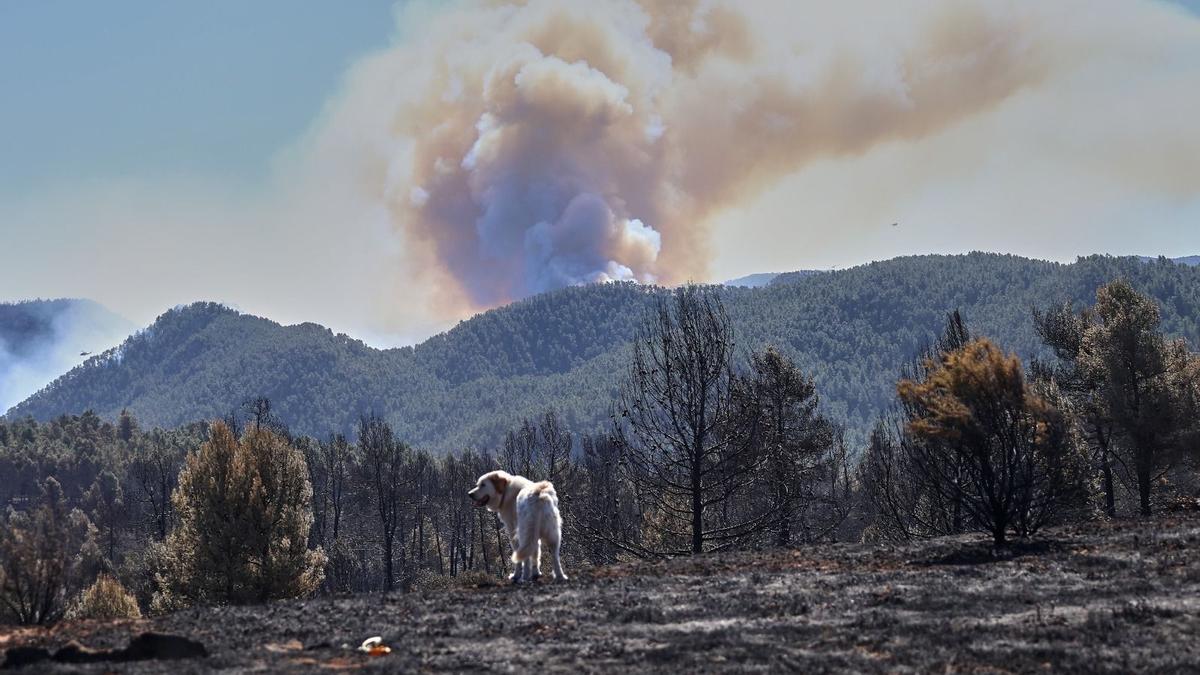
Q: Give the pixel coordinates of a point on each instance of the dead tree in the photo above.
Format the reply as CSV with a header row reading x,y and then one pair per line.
x,y
776,410
990,441
671,424
603,519
260,415
908,504
155,472
384,461
338,458
555,447
520,450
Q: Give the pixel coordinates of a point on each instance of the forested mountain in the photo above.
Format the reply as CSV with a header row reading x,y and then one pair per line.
x,y
202,360
792,277
1190,260
752,280
851,329
42,339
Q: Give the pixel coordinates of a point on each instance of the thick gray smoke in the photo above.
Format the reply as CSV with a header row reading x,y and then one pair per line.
x,y
41,340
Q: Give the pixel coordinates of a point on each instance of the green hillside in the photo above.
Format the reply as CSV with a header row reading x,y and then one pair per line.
x,y
851,329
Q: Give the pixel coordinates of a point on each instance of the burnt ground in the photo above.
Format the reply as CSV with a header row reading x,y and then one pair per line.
x,y
1102,597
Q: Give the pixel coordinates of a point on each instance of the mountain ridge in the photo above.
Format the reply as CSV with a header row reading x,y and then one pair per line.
x,y
850,329
1189,260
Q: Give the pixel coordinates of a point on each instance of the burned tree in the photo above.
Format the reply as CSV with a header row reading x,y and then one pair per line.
x,y
154,472
1063,331
39,558
776,411
520,451
555,455
337,461
672,425
989,442
907,503
259,414
244,514
384,460
106,503
603,519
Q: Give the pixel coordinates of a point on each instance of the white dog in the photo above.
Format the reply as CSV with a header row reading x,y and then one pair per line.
x,y
529,511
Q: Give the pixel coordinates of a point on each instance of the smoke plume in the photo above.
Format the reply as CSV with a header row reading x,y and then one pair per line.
x,y
529,146
43,339
499,148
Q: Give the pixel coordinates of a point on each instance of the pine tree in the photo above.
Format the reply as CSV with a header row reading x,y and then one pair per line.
x,y
244,511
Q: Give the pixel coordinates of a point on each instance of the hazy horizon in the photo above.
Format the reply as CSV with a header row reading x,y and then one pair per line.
x,y
291,161
382,342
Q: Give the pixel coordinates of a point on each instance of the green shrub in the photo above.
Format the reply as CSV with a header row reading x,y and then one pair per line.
x,y
244,511
105,599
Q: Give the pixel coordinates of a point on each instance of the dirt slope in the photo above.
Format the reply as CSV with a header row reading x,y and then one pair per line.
x,y
1096,598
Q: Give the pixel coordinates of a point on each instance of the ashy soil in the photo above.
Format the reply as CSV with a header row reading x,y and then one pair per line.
x,y
1104,597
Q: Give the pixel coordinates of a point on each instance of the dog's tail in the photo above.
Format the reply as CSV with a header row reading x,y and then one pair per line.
x,y
529,527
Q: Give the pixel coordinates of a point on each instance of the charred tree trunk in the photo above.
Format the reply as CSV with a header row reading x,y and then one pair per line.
x,y
1110,497
697,510
389,578
1144,479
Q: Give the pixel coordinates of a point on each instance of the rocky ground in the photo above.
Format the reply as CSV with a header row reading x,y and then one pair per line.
x,y
1105,597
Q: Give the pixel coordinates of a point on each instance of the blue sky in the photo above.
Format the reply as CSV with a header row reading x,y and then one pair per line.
x,y
97,90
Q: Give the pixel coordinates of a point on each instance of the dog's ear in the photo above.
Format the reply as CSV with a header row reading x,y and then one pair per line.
x,y
500,483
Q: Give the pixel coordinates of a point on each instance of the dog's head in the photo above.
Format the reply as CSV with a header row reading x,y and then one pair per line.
x,y
489,490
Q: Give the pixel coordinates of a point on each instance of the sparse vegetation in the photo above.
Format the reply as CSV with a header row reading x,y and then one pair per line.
x,y
1094,597
711,444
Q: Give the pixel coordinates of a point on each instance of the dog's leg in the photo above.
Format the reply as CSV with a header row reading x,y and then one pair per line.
x,y
515,577
522,559
535,563
559,575
524,567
